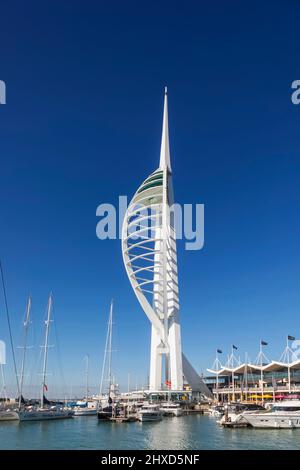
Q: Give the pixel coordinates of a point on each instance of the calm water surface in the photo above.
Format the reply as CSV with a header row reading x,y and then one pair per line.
x,y
188,432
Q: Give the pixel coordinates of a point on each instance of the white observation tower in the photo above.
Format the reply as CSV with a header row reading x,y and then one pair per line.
x,y
149,253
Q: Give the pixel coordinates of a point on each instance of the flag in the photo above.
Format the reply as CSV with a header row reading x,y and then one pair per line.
x,y
234,347
263,343
291,338
45,387
168,383
219,351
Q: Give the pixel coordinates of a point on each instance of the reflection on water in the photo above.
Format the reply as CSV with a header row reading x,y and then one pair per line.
x,y
172,433
188,432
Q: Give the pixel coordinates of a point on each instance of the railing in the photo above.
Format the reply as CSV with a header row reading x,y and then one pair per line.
x,y
281,388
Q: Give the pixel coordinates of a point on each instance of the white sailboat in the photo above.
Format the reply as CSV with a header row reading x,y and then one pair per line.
x,y
43,412
108,406
25,347
8,414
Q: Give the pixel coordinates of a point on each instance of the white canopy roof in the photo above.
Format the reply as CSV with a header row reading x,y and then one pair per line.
x,y
273,366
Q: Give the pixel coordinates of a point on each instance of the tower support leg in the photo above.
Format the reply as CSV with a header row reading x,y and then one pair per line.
x,y
174,340
155,361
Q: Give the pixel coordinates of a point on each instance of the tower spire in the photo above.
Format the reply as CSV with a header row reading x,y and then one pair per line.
x,y
165,148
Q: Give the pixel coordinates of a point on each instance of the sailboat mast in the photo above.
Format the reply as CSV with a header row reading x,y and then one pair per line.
x,y
87,370
47,323
104,363
110,347
9,328
26,327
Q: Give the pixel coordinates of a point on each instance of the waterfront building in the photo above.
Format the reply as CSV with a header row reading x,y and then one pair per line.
x,y
263,380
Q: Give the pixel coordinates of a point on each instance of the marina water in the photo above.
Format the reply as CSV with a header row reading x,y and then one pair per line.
x,y
197,432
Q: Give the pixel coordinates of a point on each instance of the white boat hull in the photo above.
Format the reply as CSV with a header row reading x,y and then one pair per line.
x,y
43,415
85,412
274,420
171,412
215,414
8,415
147,417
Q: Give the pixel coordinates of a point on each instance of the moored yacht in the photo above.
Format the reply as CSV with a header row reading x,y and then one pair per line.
x,y
41,414
108,404
85,409
171,409
235,413
107,413
149,413
45,411
8,415
283,415
217,411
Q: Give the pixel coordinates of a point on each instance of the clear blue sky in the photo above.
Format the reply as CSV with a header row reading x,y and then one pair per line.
x,y
82,126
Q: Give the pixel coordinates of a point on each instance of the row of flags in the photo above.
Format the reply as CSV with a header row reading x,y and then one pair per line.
x,y
263,343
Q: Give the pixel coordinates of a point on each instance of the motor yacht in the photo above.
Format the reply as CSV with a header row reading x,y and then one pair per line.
x,y
171,409
282,415
150,413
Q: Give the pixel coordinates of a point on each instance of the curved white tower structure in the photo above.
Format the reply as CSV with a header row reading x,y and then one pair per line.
x,y
149,253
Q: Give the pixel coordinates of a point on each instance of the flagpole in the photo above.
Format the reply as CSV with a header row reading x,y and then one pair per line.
x,y
246,377
232,375
289,369
261,372
217,377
